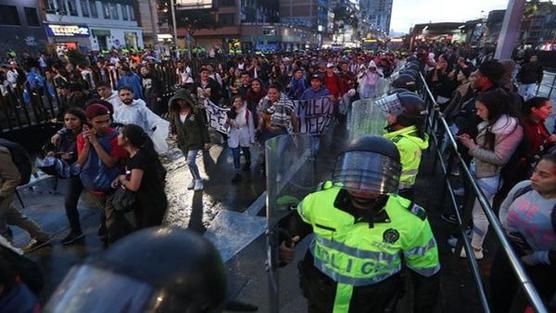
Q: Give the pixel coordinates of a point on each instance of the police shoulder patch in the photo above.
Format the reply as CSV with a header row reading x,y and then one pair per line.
x,y
418,211
390,235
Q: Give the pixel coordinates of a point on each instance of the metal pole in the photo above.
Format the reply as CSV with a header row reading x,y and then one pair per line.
x,y
154,23
510,29
175,25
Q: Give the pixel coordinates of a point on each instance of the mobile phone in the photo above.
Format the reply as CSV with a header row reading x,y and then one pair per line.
x,y
85,127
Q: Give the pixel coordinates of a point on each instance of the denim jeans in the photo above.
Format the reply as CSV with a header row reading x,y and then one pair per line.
x,y
191,159
236,155
489,186
73,192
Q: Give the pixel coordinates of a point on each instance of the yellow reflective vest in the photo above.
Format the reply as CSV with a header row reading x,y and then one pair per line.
x,y
353,254
411,147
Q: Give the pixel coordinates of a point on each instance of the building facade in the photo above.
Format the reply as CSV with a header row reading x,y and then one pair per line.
x,y
244,26
315,15
147,18
92,24
21,29
376,16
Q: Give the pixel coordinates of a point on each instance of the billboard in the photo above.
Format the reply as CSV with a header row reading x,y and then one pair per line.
x,y
193,4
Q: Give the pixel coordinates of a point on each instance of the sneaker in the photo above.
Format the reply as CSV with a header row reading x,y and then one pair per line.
x,y
449,218
71,238
198,185
479,255
191,185
35,244
236,179
246,167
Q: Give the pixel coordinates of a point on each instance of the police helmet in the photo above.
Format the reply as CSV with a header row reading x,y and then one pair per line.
x,y
405,81
161,270
369,164
397,90
410,72
402,104
412,66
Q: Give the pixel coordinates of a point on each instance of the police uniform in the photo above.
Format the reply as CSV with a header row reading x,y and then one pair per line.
x,y
354,261
410,146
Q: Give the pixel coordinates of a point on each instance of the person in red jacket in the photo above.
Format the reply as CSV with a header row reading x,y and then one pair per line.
x,y
332,81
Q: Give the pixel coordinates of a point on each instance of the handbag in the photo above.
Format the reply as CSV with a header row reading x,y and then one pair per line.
x,y
123,200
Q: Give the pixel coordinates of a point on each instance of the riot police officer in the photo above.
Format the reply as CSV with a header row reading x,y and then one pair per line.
x,y
153,270
362,231
405,113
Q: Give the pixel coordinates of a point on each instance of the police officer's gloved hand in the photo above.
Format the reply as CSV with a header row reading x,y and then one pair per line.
x,y
287,250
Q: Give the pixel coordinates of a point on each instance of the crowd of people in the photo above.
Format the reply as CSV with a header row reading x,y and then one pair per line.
x,y
116,121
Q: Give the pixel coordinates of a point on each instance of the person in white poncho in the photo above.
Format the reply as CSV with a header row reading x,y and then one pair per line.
x,y
131,111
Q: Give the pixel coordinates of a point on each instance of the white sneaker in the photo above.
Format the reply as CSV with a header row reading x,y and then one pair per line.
x,y
198,185
477,252
191,184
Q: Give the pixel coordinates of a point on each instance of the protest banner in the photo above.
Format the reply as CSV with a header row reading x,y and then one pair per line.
x,y
314,115
217,117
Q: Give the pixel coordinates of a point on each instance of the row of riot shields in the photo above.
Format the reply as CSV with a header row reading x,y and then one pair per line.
x,y
294,167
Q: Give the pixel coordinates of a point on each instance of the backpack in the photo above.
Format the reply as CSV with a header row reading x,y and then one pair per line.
x,y
520,192
21,159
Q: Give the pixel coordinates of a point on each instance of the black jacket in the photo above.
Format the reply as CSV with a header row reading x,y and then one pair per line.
x,y
530,73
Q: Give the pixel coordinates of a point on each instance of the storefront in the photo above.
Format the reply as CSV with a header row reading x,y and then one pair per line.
x,y
101,38
69,36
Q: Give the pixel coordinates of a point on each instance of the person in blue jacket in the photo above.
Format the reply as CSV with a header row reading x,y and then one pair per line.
x,y
316,91
131,80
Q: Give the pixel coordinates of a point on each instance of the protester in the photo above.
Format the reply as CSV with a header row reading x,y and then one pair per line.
x,y
152,89
99,156
528,217
297,85
144,176
65,141
241,136
498,136
316,91
10,178
131,80
191,133
529,76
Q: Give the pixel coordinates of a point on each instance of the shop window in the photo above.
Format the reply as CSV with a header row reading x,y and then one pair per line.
x,y
32,17
124,12
131,13
85,8
93,7
106,10
72,7
114,9
50,6
8,15
61,7
226,19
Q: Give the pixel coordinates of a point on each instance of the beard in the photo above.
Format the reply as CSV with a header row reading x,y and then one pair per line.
x,y
127,101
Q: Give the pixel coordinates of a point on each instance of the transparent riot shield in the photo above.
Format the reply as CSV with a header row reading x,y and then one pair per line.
x,y
365,119
291,174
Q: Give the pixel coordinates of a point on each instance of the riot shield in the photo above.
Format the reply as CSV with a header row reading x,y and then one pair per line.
x,y
291,174
365,119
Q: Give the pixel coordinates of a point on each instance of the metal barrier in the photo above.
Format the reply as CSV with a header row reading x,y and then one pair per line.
x,y
546,89
437,128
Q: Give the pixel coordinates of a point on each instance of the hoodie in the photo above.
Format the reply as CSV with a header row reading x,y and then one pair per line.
x,y
411,147
507,136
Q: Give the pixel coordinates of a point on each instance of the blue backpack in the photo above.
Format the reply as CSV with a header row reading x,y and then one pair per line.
x,y
95,175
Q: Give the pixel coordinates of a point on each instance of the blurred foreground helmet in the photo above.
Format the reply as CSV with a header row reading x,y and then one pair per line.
x,y
403,104
414,65
159,270
410,72
369,164
397,90
405,81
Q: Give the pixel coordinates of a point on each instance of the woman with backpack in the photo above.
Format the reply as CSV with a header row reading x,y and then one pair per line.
x,y
528,216
498,136
144,177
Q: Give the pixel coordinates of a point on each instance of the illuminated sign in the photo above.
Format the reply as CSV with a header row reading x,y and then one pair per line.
x,y
61,30
193,4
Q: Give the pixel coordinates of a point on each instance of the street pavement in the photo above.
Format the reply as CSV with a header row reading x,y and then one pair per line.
x,y
202,211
